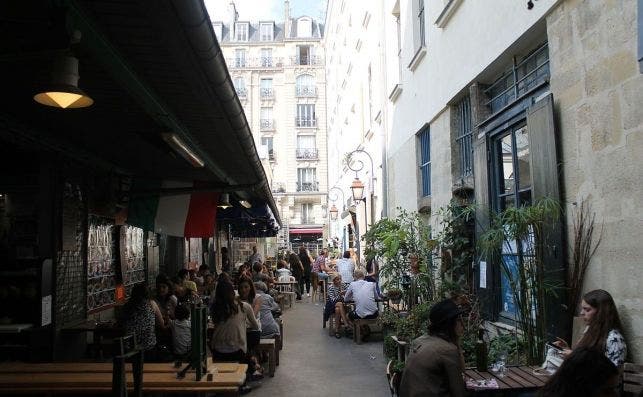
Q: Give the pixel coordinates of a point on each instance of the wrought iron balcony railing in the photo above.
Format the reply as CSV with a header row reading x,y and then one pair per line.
x,y
306,153
242,92
306,91
305,122
266,93
255,62
307,186
267,124
308,60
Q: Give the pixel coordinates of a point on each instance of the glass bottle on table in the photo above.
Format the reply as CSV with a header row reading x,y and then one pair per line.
x,y
481,352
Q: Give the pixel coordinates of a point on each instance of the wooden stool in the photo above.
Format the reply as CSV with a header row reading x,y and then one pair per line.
x,y
357,332
268,346
281,333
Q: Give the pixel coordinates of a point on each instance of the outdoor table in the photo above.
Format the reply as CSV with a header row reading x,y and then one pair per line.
x,y
61,367
517,379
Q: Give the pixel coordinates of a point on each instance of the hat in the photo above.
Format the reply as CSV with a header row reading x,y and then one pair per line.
x,y
444,311
190,285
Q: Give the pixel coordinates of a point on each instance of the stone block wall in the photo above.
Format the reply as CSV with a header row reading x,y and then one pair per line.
x,y
598,92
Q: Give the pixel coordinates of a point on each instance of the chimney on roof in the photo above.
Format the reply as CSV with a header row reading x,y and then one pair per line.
x,y
286,18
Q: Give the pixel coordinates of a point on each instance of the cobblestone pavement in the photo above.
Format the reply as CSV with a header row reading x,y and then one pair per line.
x,y
316,364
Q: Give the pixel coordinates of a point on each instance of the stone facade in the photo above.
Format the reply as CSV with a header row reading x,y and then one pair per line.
x,y
598,92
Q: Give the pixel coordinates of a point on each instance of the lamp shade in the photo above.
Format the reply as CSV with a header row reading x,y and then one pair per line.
x,y
333,213
63,92
358,189
224,201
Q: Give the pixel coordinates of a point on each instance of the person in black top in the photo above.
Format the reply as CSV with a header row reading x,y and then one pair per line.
x,y
225,260
306,262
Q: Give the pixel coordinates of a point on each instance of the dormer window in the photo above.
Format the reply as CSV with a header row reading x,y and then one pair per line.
x,y
305,27
266,31
241,31
218,30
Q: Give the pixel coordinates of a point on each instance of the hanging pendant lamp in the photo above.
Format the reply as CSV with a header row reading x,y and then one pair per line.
x,y
63,92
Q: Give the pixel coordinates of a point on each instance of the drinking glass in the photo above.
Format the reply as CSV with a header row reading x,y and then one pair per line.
x,y
502,364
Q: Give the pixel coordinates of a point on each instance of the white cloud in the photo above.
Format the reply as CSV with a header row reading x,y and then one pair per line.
x,y
249,10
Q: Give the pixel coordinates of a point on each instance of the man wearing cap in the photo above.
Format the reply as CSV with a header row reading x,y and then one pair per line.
x,y
434,366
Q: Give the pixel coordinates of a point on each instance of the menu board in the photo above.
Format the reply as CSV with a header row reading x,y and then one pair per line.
x,y
101,263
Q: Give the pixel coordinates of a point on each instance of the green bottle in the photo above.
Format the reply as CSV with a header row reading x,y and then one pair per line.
x,y
481,352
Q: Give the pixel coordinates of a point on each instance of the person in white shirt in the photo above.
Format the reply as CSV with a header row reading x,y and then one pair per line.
x,y
346,267
181,331
364,294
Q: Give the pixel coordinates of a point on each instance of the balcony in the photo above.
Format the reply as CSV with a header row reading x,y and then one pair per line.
x,y
271,155
267,125
307,186
307,60
266,93
242,92
306,154
306,91
306,122
308,220
255,62
278,187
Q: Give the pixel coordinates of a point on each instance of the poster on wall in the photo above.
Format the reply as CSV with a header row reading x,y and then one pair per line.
x,y
46,310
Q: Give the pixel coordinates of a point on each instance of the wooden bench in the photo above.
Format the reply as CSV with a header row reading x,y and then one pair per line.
x,y
269,346
79,378
357,325
633,379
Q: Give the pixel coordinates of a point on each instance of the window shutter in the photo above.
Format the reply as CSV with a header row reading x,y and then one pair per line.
x,y
483,206
544,172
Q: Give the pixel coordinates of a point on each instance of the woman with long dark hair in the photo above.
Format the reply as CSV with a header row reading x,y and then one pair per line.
x,y
140,314
297,270
229,315
585,372
434,366
603,331
306,263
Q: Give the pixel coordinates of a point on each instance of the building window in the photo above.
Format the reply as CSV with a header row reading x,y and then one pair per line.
x,y
266,31
304,27
305,86
307,213
463,137
304,55
306,147
307,180
266,120
240,58
240,86
511,187
267,141
266,89
419,30
306,116
519,79
218,31
425,160
266,57
241,31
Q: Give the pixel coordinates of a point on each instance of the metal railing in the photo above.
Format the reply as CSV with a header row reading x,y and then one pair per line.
x,y
242,92
306,91
306,153
255,62
522,77
305,122
307,186
267,124
266,93
307,60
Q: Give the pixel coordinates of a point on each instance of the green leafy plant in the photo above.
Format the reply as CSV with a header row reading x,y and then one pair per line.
x,y
515,239
511,344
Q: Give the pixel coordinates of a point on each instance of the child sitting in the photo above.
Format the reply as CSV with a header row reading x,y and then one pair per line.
x,y
181,331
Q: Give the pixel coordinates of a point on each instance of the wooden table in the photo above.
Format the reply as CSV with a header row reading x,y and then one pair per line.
x,y
77,378
516,379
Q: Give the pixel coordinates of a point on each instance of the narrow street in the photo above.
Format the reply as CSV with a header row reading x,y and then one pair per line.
x,y
312,363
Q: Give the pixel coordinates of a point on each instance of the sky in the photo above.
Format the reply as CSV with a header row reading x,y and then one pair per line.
x,y
255,10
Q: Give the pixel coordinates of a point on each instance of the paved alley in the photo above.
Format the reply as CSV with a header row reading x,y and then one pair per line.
x,y
316,364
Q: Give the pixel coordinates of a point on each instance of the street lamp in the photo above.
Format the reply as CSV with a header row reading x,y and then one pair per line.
x,y
333,213
358,189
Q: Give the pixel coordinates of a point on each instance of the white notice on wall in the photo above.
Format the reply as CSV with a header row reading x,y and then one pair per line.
x,y
46,310
483,274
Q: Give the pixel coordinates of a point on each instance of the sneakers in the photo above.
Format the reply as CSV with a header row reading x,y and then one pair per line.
x,y
308,295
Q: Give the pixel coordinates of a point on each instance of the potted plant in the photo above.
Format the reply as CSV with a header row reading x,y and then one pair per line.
x,y
395,295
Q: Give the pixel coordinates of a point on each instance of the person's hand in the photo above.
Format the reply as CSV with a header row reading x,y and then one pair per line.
x,y
566,352
560,343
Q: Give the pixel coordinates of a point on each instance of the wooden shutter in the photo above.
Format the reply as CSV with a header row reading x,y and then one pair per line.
x,y
544,173
483,206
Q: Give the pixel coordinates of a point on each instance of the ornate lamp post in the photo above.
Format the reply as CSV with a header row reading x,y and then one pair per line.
x,y
334,211
357,187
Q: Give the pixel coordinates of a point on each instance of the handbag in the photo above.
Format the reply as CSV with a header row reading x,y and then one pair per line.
x,y
553,360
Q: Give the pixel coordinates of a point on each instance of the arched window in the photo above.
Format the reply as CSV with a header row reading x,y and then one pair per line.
x,y
305,86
